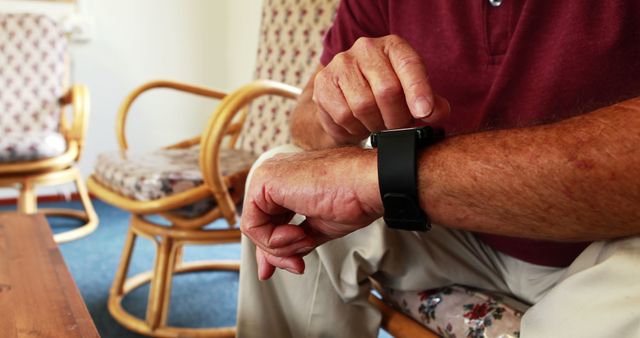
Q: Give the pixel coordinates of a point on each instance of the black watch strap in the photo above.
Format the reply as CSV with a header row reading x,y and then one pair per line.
x,y
397,175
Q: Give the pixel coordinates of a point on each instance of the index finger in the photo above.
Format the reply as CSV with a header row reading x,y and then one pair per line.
x,y
412,73
256,224
265,223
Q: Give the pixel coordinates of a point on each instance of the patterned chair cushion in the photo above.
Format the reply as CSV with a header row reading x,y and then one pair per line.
x,y
31,146
33,51
163,172
458,311
289,50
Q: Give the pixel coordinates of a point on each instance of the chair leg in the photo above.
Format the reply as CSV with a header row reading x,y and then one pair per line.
x,y
179,256
160,282
175,258
81,188
27,201
89,214
175,263
117,288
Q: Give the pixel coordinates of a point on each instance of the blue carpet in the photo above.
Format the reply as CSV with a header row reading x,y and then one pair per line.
x,y
206,299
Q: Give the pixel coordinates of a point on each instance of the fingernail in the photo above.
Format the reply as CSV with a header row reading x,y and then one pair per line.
x,y
260,272
304,250
423,107
293,271
281,241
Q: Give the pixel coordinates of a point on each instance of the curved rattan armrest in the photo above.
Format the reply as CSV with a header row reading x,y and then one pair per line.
x,y
217,128
126,105
78,97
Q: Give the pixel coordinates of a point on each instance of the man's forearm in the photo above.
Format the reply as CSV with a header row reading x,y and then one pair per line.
x,y
574,180
578,179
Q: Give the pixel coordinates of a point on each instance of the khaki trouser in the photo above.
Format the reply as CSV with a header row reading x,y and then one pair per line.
x,y
598,295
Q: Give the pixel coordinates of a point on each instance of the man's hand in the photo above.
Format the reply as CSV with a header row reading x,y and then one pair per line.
x,y
335,189
378,84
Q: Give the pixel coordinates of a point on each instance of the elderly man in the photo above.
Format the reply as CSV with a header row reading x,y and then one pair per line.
x,y
535,191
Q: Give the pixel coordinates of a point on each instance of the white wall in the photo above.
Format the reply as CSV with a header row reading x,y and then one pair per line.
x,y
137,41
242,29
206,42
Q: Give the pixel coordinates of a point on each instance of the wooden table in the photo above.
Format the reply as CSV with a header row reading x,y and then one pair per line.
x,y
38,297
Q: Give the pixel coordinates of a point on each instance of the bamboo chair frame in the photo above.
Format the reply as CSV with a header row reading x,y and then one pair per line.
x,y
58,170
225,122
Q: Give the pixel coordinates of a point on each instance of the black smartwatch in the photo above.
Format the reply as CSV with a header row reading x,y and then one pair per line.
x,y
397,174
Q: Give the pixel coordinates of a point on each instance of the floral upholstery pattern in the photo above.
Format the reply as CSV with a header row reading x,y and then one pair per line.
x,y
164,172
290,44
31,146
33,51
457,311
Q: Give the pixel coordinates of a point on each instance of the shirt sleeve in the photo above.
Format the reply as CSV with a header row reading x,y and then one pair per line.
x,y
354,19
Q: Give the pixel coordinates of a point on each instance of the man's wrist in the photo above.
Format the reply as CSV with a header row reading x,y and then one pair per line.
x,y
368,183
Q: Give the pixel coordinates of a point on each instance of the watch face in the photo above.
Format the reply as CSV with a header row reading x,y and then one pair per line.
x,y
403,129
425,134
418,132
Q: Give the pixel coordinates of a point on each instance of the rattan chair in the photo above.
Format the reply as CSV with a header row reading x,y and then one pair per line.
x,y
38,145
195,182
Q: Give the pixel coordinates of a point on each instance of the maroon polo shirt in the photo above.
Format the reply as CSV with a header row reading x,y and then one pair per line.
x,y
519,64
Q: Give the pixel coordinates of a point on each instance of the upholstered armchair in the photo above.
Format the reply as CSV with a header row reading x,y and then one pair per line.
x,y
38,144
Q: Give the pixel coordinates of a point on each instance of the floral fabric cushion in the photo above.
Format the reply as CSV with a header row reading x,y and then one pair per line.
x,y
21,147
33,52
458,311
163,172
289,50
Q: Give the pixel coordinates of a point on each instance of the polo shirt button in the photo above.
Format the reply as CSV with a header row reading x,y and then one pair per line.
x,y
495,3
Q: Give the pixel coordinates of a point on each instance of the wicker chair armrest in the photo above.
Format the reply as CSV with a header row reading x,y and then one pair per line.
x,y
218,126
78,97
182,87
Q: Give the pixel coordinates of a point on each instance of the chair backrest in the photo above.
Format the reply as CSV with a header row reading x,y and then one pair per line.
x,y
33,52
290,45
